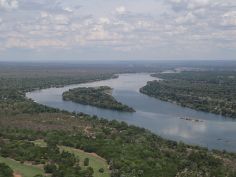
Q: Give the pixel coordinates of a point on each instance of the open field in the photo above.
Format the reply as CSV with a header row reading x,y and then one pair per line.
x,y
95,161
22,169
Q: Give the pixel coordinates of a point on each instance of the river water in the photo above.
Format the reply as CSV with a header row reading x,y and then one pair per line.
x,y
163,118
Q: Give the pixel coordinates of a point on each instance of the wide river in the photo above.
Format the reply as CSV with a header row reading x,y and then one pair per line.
x,y
162,118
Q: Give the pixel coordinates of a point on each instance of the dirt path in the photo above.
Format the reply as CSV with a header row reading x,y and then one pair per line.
x,y
86,130
17,174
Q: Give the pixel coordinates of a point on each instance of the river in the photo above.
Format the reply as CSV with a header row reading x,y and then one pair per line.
x,y
163,118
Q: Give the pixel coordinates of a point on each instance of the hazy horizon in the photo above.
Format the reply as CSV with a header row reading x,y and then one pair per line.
x,y
121,30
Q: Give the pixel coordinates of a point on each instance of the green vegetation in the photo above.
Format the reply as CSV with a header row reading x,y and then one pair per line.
x,y
57,163
86,162
129,151
26,170
40,143
13,89
5,171
210,91
101,170
96,162
100,97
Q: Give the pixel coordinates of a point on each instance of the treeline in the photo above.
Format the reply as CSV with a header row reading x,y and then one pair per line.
x,y
29,83
209,91
13,89
100,97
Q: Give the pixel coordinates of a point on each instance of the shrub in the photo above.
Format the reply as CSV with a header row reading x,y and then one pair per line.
x,y
101,170
50,168
86,162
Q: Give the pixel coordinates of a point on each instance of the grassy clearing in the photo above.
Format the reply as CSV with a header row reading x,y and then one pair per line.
x,y
95,161
24,170
40,143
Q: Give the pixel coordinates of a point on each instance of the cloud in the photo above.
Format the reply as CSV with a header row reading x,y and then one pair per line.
x,y
194,4
121,10
33,44
8,4
104,20
152,29
186,19
60,19
68,9
229,19
179,5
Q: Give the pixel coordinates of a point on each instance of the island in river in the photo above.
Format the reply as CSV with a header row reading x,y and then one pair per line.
x,y
99,97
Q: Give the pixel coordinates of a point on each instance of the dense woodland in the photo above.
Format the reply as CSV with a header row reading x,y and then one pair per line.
x,y
99,97
130,151
210,91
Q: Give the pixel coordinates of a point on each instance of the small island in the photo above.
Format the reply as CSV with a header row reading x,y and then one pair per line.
x,y
99,97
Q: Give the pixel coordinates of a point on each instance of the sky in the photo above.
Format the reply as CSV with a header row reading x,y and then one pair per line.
x,y
73,30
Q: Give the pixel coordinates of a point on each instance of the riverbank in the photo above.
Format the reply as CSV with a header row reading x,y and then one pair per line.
x,y
208,91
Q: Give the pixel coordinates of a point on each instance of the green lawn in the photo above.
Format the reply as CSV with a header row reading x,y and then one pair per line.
x,y
95,161
24,170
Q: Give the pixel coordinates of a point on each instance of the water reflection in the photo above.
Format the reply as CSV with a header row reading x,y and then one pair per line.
x,y
160,117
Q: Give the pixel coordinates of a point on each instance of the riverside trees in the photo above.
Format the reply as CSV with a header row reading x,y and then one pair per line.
x,y
209,91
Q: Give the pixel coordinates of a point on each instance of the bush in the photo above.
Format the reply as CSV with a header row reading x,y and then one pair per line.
x,y
50,168
86,162
90,171
101,170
